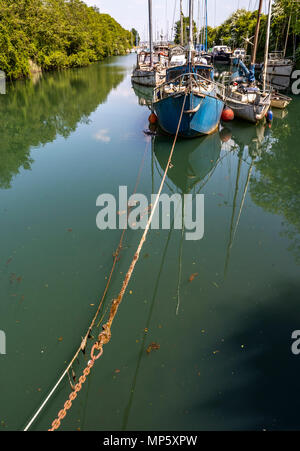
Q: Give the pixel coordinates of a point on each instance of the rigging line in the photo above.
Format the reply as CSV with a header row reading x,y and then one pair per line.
x,y
215,18
243,199
211,173
173,24
105,335
84,340
180,260
153,302
233,214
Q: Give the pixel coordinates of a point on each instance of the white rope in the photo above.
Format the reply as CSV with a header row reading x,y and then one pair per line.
x,y
129,274
47,399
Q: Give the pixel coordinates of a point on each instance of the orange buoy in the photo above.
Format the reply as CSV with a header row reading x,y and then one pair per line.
x,y
153,118
225,135
227,115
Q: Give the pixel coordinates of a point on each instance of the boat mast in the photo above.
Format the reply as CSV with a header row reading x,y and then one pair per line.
x,y
287,36
255,46
199,24
181,24
267,46
150,32
191,41
206,24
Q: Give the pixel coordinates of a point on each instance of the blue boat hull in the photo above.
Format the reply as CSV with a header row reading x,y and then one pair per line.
x,y
204,119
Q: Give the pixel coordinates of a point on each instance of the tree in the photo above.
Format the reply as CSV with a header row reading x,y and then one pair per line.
x,y
136,37
56,34
186,22
241,24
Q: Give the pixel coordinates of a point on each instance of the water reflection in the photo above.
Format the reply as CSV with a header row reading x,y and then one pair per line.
x,y
276,184
144,94
34,113
265,164
192,163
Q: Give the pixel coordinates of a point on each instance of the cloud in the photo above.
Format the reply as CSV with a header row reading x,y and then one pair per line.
x,y
102,135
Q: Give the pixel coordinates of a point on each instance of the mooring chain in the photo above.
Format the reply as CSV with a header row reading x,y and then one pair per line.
x,y
103,338
84,340
105,335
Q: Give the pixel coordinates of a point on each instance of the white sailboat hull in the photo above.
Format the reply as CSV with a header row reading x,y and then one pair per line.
x,y
280,69
279,82
151,78
280,101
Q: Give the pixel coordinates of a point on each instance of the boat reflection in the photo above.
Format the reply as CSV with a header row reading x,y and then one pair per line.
x,y
193,161
144,94
249,143
251,140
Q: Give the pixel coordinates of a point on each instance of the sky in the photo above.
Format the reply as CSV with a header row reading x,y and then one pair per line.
x,y
134,13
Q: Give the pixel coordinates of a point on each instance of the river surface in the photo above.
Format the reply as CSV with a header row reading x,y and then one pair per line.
x,y
221,310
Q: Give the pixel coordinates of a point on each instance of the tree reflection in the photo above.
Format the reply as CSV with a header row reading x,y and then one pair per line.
x,y
34,113
276,185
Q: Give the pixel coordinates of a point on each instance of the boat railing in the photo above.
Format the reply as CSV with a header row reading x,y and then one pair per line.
x,y
184,81
276,55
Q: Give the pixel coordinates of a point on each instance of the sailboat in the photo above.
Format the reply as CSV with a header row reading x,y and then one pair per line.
x,y
243,95
189,92
279,65
147,71
278,100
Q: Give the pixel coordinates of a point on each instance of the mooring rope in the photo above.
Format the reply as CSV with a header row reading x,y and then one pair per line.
x,y
84,340
105,336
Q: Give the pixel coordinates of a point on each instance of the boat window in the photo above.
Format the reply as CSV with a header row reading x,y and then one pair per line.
x,y
174,73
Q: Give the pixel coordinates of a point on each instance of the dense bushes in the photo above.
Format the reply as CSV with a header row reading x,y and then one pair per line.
x,y
56,34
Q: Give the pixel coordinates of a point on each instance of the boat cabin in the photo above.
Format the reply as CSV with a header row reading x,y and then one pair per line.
x,y
143,59
239,53
203,70
221,49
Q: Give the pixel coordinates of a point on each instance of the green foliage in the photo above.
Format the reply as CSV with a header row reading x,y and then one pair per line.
x,y
242,23
135,36
298,55
282,11
237,28
186,22
56,34
276,184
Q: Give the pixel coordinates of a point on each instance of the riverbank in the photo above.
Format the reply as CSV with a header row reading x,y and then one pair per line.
x,y
44,36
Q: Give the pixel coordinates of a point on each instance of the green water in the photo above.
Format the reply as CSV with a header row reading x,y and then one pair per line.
x,y
224,360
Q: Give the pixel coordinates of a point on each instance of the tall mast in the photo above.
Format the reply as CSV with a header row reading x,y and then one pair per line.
x,y
191,40
287,36
267,46
150,32
253,60
206,23
181,24
199,23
